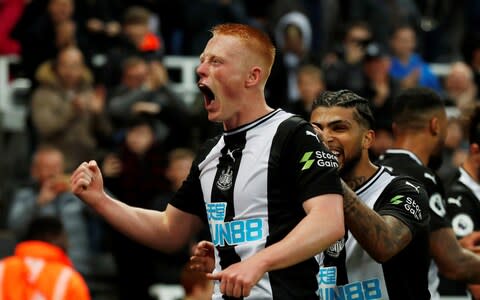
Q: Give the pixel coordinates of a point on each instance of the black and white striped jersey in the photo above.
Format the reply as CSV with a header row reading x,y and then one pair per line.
x,y
249,185
463,208
348,272
463,204
404,162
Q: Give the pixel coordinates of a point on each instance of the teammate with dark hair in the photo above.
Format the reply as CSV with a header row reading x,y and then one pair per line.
x,y
419,128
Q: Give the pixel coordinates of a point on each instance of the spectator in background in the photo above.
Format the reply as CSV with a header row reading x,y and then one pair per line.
x,y
136,175
66,111
293,37
382,16
49,195
10,13
380,87
43,37
310,86
407,66
144,90
454,151
136,39
179,164
170,264
100,20
460,87
471,51
343,66
201,15
40,268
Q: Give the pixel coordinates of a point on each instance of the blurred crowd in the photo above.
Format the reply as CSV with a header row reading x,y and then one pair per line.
x,y
99,90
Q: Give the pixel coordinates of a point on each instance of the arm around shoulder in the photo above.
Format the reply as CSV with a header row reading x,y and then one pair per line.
x,y
381,236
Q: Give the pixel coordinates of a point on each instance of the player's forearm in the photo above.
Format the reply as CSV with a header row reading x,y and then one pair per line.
x,y
453,261
381,236
316,232
148,227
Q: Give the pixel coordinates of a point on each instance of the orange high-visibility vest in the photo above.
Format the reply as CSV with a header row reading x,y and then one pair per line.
x,y
40,271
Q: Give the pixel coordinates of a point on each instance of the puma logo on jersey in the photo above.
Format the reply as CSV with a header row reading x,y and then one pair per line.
x,y
231,152
455,201
417,188
312,134
429,176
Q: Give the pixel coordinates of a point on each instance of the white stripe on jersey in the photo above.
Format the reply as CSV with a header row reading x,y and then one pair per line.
x,y
359,264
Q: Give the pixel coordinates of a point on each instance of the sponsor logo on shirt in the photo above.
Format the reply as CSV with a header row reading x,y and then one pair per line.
x,y
396,200
369,289
319,158
234,232
408,204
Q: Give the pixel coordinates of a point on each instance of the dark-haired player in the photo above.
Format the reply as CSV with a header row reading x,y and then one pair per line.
x,y
385,253
419,128
463,198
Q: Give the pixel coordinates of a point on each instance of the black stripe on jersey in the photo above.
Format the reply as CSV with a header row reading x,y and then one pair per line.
x,y
223,187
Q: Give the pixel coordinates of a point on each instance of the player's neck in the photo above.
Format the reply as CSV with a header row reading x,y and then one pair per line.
x,y
415,144
360,174
251,112
472,170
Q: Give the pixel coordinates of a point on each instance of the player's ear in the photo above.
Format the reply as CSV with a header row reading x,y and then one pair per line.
x,y
434,125
368,139
254,76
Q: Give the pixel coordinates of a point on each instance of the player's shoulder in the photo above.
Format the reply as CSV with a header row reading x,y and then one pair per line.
x,y
206,148
456,187
406,184
404,165
294,128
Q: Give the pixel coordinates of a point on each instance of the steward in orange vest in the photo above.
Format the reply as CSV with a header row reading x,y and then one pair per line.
x,y
40,268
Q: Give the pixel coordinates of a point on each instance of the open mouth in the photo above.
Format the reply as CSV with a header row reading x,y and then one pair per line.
x,y
335,152
207,93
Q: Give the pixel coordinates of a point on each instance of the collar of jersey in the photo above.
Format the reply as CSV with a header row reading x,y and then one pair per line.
x,y
252,124
405,152
469,182
364,186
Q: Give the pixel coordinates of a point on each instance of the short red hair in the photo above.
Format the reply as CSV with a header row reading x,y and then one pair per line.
x,y
256,40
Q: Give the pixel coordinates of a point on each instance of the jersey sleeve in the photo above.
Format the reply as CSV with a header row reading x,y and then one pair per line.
x,y
462,211
314,169
406,199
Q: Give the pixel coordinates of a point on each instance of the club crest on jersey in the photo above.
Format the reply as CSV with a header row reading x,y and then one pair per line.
x,y
336,248
225,179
